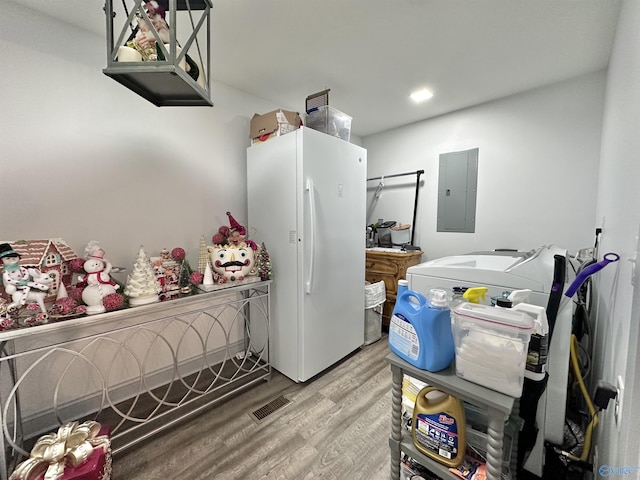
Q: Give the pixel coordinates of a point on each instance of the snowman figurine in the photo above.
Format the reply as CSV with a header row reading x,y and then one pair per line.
x,y
99,282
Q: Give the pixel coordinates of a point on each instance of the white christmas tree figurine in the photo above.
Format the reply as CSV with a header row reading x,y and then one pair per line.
x,y
142,286
208,276
62,291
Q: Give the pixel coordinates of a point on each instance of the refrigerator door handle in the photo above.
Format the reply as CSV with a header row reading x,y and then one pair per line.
x,y
312,240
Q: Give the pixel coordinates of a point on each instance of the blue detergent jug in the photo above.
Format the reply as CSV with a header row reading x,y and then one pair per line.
x,y
420,330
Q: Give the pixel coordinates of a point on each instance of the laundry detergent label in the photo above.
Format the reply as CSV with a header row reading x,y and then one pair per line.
x,y
437,434
537,354
403,336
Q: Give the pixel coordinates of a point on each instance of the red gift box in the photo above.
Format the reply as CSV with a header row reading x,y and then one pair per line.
x,y
76,452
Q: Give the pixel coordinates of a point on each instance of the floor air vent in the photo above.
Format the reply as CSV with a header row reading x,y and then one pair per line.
x,y
273,406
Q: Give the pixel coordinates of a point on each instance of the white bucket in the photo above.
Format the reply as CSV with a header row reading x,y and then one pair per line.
x,y
401,235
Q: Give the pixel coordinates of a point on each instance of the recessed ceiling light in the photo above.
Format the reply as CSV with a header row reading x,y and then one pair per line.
x,y
421,95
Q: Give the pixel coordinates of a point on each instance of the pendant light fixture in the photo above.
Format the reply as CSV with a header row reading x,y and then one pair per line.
x,y
160,49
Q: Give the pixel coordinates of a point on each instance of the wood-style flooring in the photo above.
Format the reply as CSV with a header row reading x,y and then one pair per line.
x,y
336,428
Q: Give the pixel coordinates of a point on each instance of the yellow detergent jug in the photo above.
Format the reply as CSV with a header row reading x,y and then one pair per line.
x,y
438,427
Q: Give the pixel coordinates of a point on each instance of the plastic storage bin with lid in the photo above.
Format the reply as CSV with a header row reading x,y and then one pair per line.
x,y
491,346
328,120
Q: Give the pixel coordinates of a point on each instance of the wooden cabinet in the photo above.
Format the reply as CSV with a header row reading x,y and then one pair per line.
x,y
389,266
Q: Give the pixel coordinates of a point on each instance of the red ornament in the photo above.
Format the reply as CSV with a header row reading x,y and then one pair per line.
x,y
178,254
64,306
219,239
75,293
196,278
6,323
113,301
76,265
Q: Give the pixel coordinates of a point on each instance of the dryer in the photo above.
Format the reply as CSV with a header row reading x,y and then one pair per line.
x,y
505,271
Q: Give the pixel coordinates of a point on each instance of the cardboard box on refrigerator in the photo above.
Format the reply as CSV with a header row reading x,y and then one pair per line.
x,y
273,124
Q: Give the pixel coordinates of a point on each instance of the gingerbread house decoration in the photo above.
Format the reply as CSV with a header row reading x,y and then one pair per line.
x,y
51,256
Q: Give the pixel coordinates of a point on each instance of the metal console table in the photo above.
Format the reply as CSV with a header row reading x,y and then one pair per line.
x,y
140,370
497,406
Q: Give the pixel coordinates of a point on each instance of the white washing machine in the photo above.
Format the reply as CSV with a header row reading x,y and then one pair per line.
x,y
502,271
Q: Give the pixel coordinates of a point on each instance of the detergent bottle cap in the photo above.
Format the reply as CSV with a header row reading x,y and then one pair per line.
x,y
474,294
519,296
504,303
437,298
403,286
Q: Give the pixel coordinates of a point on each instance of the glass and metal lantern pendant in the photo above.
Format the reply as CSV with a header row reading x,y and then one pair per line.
x,y
160,49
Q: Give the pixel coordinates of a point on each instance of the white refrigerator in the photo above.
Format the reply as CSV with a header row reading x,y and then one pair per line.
x,y
307,202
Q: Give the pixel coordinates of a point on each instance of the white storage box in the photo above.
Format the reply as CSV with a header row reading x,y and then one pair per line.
x,y
491,346
328,120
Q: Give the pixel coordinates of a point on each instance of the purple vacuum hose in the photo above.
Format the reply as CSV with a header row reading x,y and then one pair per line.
x,y
590,270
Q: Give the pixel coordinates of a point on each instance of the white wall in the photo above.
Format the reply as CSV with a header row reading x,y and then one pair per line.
x,y
618,305
84,158
537,166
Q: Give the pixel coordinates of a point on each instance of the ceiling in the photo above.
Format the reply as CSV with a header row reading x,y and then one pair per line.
x,y
373,53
